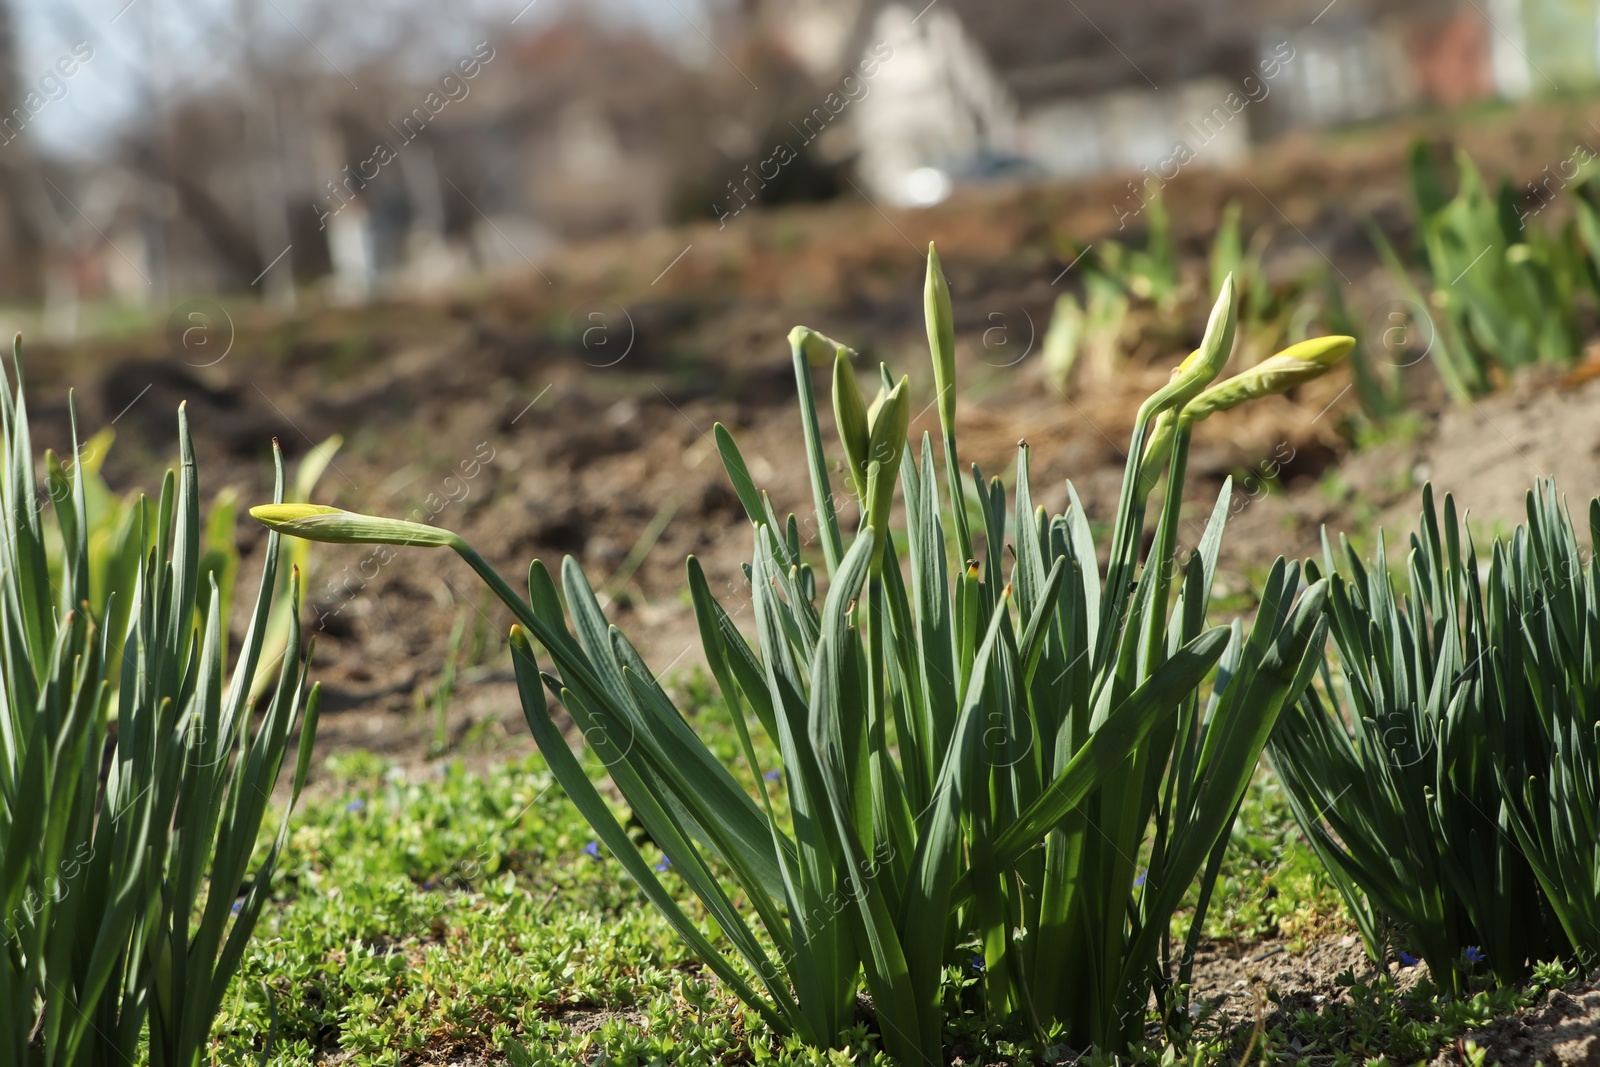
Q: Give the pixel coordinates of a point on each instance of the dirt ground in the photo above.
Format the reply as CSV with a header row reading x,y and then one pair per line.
x,y
1562,1032
569,412
1234,980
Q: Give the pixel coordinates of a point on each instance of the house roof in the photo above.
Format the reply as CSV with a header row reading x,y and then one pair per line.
x,y
1052,48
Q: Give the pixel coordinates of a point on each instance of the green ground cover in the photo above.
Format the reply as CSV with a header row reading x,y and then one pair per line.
x,y
446,916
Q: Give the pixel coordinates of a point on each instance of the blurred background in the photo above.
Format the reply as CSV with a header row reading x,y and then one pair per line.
x,y
154,149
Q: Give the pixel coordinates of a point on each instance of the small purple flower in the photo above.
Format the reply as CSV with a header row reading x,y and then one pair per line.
x,y
773,776
237,905
977,963
663,865
1407,959
1475,954
356,805
1139,880
592,849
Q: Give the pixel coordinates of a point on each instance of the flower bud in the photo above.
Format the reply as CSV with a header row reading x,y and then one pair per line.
x,y
1276,374
1205,363
818,348
941,339
850,415
315,522
886,445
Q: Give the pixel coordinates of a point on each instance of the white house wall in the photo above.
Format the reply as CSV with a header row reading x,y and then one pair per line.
x,y
937,102
1136,128
1348,74
934,103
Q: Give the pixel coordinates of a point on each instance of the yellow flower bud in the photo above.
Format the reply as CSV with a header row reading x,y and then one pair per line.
x,y
316,522
1276,374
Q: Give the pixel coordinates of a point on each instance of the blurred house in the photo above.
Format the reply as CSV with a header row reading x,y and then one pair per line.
x,y
573,126
964,90
558,134
287,177
1451,57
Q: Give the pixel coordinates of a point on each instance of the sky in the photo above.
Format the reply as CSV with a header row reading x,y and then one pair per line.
x,y
159,47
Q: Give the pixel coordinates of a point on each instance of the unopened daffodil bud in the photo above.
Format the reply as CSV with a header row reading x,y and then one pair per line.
x,y
850,416
941,320
887,442
818,349
1203,365
1277,374
316,522
887,424
1293,366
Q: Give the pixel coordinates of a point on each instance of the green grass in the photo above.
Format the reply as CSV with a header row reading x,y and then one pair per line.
x,y
1272,884
424,916
427,918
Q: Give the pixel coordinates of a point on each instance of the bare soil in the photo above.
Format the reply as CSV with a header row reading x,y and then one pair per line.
x,y
1562,1032
1234,982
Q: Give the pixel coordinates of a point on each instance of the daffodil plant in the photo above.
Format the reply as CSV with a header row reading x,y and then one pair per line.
x,y
135,770
974,751
1447,767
